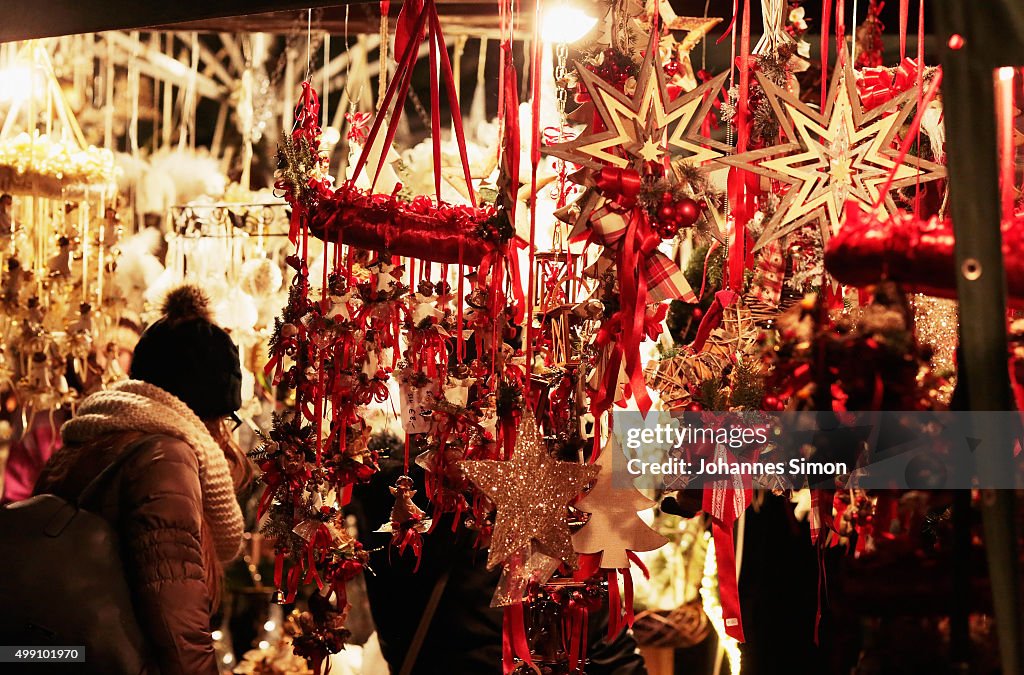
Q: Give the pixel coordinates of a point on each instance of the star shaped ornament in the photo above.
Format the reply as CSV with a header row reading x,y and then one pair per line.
x,y
647,125
845,153
532,492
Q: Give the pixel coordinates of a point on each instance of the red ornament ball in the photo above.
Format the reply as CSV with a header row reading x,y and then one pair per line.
x,y
687,211
667,229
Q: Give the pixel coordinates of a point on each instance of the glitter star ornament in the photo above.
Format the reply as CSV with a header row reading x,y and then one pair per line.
x,y
647,125
845,153
532,492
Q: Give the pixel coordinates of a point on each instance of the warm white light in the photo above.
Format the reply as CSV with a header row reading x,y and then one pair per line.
x,y
15,83
227,659
216,635
1006,73
330,137
264,644
565,24
269,626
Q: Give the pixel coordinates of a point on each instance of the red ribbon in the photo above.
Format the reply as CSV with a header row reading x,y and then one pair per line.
x,y
712,317
880,85
620,185
720,502
514,642
743,188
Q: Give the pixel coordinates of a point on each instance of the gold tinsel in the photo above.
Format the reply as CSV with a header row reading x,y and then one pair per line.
x,y
937,324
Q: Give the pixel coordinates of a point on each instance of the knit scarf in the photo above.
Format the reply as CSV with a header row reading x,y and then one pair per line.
x,y
138,406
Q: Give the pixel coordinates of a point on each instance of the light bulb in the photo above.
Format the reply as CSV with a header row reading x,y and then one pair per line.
x,y
565,24
330,136
16,83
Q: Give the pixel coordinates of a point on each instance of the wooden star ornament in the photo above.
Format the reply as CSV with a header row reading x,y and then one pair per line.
x,y
645,126
844,153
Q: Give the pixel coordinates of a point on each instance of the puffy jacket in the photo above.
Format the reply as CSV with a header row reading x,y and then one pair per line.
x,y
155,503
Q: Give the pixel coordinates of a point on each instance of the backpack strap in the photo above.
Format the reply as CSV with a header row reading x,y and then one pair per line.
x,y
119,461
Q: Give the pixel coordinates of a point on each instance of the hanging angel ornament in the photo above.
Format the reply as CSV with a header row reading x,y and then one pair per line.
x,y
456,391
424,306
60,264
408,522
80,339
339,302
13,279
113,372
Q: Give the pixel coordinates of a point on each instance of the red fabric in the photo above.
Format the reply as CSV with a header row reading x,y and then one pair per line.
x,y
725,501
29,455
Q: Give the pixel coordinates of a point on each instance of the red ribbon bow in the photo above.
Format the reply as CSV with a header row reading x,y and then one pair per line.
x,y
878,86
620,185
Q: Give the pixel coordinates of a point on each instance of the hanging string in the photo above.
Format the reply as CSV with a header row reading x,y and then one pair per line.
x,y
826,14
853,32
920,99
324,107
840,32
904,15
535,72
382,80
704,43
309,42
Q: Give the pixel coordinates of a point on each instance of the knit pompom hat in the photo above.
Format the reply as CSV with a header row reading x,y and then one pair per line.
x,y
186,354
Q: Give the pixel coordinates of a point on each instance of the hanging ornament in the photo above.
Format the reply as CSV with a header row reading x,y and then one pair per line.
x,y
614,533
614,529
628,130
408,522
844,153
531,492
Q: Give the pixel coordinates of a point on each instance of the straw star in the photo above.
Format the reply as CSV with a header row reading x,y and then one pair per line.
x,y
532,492
645,126
846,152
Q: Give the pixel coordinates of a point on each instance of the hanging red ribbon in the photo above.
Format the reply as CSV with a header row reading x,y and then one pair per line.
x,y
904,15
725,501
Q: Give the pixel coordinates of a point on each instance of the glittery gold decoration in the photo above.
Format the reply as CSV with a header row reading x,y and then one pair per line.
x,y
634,129
937,325
532,492
844,153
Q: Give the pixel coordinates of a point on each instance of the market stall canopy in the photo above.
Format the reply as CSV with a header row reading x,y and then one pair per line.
x,y
22,19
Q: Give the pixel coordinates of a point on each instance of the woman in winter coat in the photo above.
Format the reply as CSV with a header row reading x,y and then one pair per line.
x,y
173,500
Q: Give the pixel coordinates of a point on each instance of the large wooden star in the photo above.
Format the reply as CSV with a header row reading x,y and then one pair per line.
x,y
532,492
645,126
844,153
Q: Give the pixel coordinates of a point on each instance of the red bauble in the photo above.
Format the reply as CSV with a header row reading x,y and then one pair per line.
x,y
687,211
667,229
